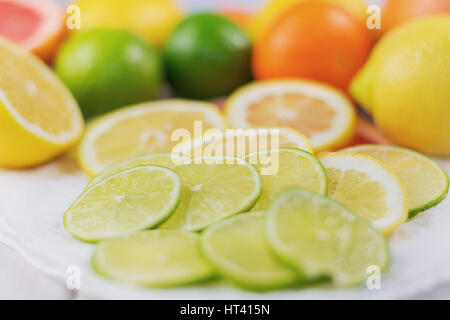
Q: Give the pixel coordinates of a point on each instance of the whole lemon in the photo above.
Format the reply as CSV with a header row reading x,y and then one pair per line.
x,y
405,85
153,20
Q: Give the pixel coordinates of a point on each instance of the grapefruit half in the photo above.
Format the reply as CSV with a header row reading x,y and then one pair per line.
x,y
37,26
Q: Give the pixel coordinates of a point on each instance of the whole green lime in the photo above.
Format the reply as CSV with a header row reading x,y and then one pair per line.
x,y
207,56
107,69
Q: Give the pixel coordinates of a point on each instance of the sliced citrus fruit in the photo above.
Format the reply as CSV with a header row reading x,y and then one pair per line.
x,y
39,117
321,112
287,168
142,129
163,159
237,248
367,187
240,142
321,238
153,258
214,188
134,199
425,181
37,26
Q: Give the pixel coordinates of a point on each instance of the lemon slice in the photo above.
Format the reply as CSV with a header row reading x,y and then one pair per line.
x,y
163,159
321,112
214,188
288,168
321,238
240,142
142,129
153,258
39,118
425,181
133,199
367,187
237,248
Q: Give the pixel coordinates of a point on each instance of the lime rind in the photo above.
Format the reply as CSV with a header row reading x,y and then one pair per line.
x,y
428,205
163,216
204,272
239,276
285,256
431,204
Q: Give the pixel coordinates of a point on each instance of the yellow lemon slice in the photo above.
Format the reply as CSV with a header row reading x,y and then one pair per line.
x,y
367,187
319,111
425,181
142,129
39,118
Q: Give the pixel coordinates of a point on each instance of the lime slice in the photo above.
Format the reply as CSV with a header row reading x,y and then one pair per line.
x,y
321,238
153,258
425,181
133,199
237,248
288,168
213,189
160,159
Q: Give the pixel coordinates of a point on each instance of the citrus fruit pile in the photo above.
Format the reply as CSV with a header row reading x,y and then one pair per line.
x,y
275,190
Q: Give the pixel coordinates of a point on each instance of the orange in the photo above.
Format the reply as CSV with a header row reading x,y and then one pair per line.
x,y
37,26
316,40
397,12
272,10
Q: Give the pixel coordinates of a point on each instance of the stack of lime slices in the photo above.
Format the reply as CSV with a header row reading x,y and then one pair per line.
x,y
264,220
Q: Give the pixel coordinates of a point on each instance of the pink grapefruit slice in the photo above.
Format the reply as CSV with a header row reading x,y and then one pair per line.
x,y
37,26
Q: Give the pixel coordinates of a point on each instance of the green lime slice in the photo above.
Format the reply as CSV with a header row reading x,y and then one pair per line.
x,y
237,248
321,238
425,181
137,198
214,188
153,258
160,159
291,167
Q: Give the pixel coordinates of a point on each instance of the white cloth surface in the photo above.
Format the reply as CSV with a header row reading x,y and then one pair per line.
x,y
32,204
